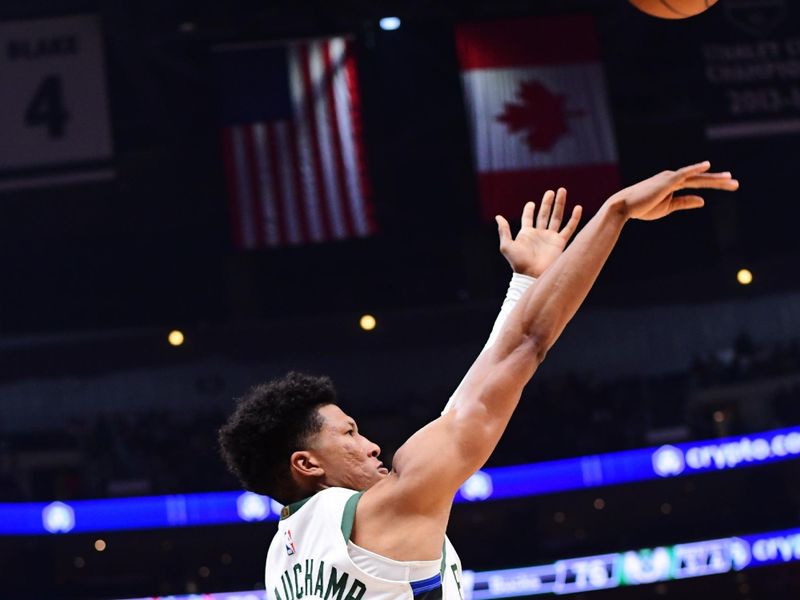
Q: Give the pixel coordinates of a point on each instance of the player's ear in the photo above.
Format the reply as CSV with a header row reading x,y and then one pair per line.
x,y
304,463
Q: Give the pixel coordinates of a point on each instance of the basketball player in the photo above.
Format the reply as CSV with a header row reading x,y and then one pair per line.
x,y
356,529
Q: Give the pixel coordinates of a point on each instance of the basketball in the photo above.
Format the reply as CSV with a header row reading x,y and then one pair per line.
x,y
673,9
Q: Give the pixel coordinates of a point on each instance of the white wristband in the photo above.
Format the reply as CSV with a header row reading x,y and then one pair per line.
x,y
517,286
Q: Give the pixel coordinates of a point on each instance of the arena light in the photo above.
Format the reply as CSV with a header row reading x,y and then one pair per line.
x,y
499,483
389,23
367,322
615,569
176,337
744,276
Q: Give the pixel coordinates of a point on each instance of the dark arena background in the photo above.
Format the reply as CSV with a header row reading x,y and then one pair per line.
x,y
178,222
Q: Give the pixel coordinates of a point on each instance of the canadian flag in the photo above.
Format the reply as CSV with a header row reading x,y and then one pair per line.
x,y
536,101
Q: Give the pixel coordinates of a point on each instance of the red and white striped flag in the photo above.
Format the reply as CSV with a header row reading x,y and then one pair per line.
x,y
538,111
292,144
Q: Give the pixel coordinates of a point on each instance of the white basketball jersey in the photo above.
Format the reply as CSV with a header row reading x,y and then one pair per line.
x,y
308,558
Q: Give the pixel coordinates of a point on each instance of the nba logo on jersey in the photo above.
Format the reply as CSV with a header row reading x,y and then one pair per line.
x,y
289,543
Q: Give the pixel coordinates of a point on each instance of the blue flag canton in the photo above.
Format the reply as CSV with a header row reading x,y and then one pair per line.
x,y
253,85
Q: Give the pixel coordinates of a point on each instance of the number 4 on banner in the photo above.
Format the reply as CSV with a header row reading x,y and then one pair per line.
x,y
47,107
55,128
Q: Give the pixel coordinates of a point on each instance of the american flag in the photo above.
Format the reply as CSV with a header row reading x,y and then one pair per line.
x,y
291,139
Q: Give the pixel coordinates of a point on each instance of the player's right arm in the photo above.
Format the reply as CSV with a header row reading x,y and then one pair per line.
x,y
404,516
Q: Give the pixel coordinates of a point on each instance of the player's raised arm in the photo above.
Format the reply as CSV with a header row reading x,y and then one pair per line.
x,y
540,241
435,461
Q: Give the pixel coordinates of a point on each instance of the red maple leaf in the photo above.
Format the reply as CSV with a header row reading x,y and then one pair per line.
x,y
541,114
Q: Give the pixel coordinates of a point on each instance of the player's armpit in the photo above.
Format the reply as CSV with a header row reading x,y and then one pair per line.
x,y
441,456
413,503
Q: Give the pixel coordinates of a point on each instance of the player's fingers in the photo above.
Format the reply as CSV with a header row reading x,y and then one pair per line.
x,y
527,214
543,218
558,210
503,231
691,170
572,224
720,175
720,181
685,203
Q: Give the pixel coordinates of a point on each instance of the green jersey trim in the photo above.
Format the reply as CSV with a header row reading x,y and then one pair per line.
x,y
292,508
349,515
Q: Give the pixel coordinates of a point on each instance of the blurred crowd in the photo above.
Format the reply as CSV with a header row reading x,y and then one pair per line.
x,y
163,452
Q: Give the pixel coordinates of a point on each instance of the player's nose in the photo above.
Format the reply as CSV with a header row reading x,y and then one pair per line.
x,y
374,449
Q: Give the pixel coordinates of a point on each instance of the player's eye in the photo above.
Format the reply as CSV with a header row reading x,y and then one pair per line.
x,y
351,431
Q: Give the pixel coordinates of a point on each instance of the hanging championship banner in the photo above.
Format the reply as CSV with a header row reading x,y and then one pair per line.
x,y
54,121
751,58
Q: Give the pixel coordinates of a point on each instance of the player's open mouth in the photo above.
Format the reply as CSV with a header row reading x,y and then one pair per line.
x,y
384,470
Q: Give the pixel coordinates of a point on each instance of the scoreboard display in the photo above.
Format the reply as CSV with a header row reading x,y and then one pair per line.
x,y
54,117
637,567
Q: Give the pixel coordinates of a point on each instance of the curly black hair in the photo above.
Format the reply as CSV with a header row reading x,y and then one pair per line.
x,y
270,422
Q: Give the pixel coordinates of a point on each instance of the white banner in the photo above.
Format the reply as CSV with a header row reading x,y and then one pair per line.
x,y
54,121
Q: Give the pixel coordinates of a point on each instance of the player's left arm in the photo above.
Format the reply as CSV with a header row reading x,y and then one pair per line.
x,y
539,242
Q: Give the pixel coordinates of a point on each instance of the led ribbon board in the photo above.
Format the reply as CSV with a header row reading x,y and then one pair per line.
x,y
218,508
617,569
637,567
632,465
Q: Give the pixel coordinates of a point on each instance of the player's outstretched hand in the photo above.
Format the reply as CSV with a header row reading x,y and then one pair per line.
x,y
654,198
538,245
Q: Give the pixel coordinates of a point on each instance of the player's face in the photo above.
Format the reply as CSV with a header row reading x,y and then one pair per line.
x,y
349,459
